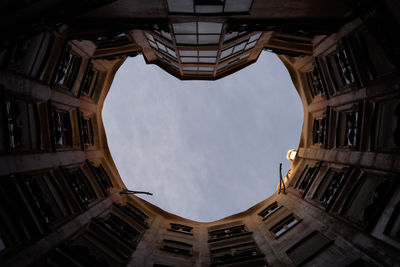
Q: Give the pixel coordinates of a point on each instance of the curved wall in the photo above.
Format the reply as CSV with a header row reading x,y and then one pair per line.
x,y
62,199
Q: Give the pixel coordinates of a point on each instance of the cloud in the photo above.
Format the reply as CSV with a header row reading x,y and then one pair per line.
x,y
205,149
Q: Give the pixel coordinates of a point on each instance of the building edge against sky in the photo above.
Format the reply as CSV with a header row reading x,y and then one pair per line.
x,y
62,200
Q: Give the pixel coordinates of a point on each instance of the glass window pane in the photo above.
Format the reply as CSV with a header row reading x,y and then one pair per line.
x,y
189,59
205,69
153,44
161,46
207,59
186,39
239,47
210,27
254,37
229,36
208,39
188,53
149,36
208,53
251,45
237,5
180,6
174,65
190,68
226,52
171,52
186,27
166,35
208,9
245,56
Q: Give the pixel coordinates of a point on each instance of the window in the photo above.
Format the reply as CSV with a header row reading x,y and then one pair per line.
x,y
271,209
197,33
70,254
62,128
385,135
87,131
181,228
135,214
30,56
22,125
240,48
198,70
67,69
80,186
366,200
393,227
177,247
233,63
209,6
46,198
340,70
348,129
14,230
198,56
120,229
330,186
237,253
308,247
90,80
112,40
228,233
373,61
233,35
306,179
102,177
315,80
319,130
161,46
284,225
166,61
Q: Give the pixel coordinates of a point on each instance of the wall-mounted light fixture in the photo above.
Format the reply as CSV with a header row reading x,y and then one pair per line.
x,y
291,154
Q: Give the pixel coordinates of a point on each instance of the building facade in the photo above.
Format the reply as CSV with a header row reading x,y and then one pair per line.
x,y
63,202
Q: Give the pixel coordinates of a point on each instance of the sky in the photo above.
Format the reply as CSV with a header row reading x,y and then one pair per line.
x,y
205,149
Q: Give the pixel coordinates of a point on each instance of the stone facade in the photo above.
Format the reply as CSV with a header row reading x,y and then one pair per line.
x,y
62,200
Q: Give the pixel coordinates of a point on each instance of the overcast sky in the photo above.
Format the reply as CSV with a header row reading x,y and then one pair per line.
x,y
205,149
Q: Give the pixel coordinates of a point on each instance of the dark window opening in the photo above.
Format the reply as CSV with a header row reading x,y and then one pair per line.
x,y
120,229
308,248
101,177
228,233
367,199
329,187
177,247
67,70
22,125
284,225
341,70
135,213
319,130
81,186
393,227
62,128
271,209
112,40
89,81
87,131
232,254
315,81
348,129
181,228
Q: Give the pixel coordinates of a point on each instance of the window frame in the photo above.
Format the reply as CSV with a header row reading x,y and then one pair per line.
x,y
276,228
